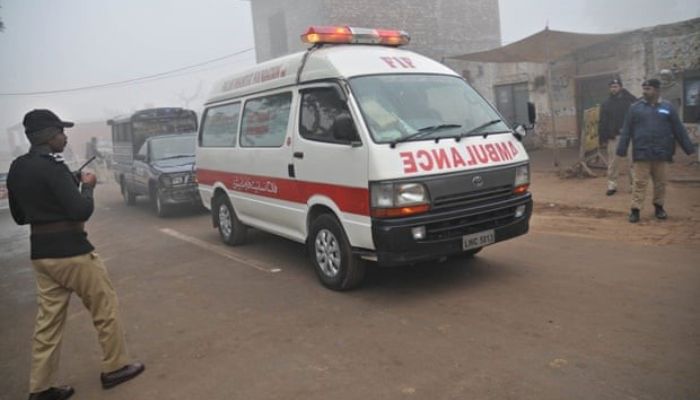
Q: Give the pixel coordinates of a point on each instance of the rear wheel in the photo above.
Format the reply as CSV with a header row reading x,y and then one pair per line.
x,y
129,198
337,268
231,229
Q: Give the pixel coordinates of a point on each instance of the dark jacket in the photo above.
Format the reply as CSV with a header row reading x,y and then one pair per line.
x,y
612,115
42,190
654,131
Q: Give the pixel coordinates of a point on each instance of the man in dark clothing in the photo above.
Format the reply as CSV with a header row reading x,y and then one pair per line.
x,y
653,126
44,193
612,116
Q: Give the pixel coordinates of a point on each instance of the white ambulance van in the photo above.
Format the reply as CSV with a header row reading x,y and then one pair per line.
x,y
362,151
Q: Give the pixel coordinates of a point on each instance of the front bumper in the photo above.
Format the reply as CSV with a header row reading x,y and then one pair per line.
x,y
395,244
180,195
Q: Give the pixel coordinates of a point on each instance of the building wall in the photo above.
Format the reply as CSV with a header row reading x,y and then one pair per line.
x,y
296,15
663,52
438,29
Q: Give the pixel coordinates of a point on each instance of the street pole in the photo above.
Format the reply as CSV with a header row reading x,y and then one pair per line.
x,y
553,123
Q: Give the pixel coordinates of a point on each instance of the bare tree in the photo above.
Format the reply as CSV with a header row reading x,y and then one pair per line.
x,y
186,100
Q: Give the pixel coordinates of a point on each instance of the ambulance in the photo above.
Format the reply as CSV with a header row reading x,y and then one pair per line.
x,y
364,152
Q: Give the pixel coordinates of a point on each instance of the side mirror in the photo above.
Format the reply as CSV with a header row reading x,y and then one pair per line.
x,y
531,112
140,157
519,131
344,130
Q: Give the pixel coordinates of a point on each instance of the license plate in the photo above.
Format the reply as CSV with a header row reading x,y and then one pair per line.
x,y
476,240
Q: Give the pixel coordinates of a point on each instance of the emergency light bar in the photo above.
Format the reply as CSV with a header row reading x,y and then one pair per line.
x,y
347,35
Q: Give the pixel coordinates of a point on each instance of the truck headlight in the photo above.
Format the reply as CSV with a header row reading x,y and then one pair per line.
x,y
178,179
398,199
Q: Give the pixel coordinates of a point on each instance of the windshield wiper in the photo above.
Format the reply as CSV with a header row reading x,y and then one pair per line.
x,y
479,128
422,132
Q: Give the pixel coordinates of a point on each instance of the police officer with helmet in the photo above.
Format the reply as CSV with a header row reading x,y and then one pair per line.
x,y
56,202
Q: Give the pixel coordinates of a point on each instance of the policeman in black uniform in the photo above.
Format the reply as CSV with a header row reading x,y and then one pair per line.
x,y
56,202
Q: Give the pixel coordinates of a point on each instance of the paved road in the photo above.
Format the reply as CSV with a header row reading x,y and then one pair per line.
x,y
546,316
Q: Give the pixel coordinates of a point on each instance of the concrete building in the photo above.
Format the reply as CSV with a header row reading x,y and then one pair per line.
x,y
580,79
438,28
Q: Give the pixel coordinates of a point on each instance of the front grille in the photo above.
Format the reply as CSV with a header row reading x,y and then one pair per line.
x,y
465,225
474,198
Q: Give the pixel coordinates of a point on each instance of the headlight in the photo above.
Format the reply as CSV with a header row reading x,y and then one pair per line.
x,y
398,199
178,179
522,175
175,179
410,194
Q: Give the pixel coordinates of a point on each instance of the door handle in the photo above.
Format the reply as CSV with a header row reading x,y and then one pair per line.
x,y
299,154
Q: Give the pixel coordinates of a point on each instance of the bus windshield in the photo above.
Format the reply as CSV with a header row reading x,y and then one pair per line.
x,y
422,106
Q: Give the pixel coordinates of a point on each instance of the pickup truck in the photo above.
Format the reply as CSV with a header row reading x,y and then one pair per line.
x,y
164,171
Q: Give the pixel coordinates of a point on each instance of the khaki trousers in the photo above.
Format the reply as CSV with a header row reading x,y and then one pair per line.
x,y
642,171
56,279
614,162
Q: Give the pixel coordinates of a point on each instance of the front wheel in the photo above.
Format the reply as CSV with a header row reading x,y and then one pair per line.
x,y
162,210
231,229
337,268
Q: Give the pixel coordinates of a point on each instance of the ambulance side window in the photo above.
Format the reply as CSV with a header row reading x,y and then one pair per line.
x,y
220,126
321,111
265,120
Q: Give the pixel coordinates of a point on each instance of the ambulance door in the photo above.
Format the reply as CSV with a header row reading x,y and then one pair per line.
x,y
264,195
330,160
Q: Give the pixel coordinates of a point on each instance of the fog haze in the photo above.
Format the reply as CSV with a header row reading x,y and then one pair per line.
x,y
51,45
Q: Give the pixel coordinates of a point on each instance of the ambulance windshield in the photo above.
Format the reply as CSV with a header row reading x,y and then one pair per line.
x,y
398,106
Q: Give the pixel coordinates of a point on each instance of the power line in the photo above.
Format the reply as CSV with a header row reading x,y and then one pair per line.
x,y
160,75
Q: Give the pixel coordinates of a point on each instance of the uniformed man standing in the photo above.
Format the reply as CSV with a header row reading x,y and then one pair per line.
x,y
612,115
56,202
653,126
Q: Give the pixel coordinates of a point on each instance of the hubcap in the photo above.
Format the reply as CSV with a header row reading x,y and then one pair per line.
x,y
328,254
225,223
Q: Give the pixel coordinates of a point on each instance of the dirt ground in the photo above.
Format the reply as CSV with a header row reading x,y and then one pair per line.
x,y
580,208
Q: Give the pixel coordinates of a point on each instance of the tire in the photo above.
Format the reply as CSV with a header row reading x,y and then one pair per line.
x,y
162,210
129,198
335,265
231,229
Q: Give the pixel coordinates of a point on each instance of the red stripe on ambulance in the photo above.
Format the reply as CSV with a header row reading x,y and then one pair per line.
x,y
457,156
349,199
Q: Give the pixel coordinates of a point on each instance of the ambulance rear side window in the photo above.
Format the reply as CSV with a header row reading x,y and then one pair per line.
x,y
265,120
220,126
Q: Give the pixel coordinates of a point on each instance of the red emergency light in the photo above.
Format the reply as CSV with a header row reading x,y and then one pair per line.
x,y
350,35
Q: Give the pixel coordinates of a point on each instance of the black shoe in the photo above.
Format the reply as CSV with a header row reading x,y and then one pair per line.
x,y
611,192
659,212
634,215
54,393
123,374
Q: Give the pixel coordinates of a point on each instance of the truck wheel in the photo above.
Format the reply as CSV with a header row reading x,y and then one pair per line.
x,y
162,210
231,229
129,198
337,268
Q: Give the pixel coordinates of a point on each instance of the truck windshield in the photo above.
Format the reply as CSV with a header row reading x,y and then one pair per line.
x,y
172,147
422,107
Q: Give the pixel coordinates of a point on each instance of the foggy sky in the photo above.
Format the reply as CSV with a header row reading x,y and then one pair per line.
x,y
50,45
